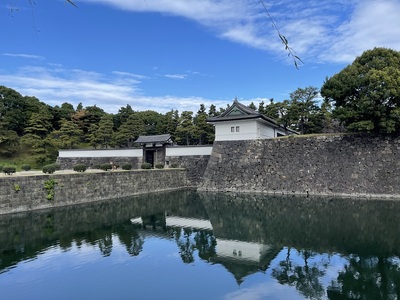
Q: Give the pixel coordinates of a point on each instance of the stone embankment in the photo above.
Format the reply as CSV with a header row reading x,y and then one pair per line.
x,y
25,193
339,165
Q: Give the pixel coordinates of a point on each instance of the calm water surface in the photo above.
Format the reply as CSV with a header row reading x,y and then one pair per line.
x,y
184,245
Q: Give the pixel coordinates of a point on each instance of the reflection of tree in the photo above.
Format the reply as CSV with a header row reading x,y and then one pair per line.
x,y
205,243
305,278
105,244
129,237
367,278
189,240
186,247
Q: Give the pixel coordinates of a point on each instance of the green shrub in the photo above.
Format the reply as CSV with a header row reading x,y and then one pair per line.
x,y
9,170
1,168
49,185
126,167
80,168
146,166
49,169
57,166
26,167
98,167
174,165
105,167
160,166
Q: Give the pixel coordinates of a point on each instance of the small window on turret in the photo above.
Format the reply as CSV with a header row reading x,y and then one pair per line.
x,y
237,128
233,129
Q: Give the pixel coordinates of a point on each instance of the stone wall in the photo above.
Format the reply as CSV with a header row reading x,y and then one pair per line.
x,y
68,163
25,193
195,166
340,165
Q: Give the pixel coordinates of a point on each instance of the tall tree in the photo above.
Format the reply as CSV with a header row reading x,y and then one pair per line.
x,y
366,94
122,116
203,131
304,107
185,130
104,132
272,110
129,131
69,134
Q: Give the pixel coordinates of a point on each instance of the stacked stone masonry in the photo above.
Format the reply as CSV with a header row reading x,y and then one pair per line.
x,y
341,165
25,193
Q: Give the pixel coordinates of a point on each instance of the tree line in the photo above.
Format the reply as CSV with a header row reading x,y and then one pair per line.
x,y
28,123
363,97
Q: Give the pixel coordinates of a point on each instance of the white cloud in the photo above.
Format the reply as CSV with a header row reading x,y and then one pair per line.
x,y
23,55
55,85
318,30
176,76
270,290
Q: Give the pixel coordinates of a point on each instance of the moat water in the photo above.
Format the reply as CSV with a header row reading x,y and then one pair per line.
x,y
184,245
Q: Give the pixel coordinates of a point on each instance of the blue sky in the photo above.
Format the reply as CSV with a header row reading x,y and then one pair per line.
x,y
176,54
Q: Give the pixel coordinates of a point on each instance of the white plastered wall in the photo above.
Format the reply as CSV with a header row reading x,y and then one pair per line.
x,y
101,153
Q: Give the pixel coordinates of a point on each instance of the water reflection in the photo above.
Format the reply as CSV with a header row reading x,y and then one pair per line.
x,y
293,241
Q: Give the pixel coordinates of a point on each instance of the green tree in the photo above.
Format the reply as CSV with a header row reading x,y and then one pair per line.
x,y
9,141
212,112
304,107
122,116
366,94
172,121
69,134
252,106
39,124
92,136
203,131
129,131
272,110
154,122
104,132
185,130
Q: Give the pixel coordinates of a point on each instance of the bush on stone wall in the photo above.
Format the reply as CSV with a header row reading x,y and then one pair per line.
x,y
160,166
80,168
126,167
105,167
174,165
49,169
9,170
1,168
146,166
26,167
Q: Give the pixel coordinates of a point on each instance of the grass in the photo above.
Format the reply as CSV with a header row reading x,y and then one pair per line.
x,y
19,160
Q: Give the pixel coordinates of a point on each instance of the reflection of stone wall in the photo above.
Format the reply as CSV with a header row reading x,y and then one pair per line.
x,y
68,163
324,224
332,165
84,187
25,234
195,166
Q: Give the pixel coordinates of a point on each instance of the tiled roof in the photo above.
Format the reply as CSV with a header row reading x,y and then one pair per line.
x,y
238,111
162,138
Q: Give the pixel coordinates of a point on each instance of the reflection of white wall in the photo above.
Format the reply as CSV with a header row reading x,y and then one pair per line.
x,y
101,153
188,151
241,250
175,221
188,223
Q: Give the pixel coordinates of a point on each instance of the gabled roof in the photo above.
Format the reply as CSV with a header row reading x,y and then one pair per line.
x,y
238,111
161,138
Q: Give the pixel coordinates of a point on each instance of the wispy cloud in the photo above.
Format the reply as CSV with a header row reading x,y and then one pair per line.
x,y
56,85
22,55
318,30
176,76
